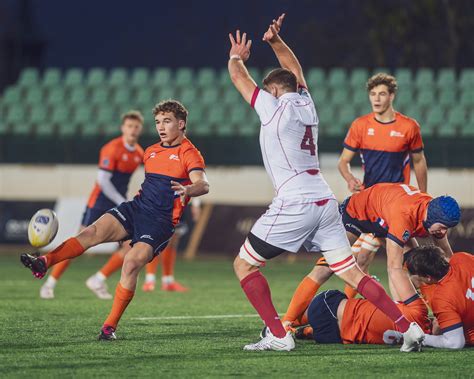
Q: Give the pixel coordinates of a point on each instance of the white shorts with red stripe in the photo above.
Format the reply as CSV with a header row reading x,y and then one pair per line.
x,y
290,223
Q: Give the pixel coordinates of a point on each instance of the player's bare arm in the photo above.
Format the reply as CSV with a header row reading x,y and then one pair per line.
x,y
284,54
239,53
443,243
398,278
421,170
344,165
199,186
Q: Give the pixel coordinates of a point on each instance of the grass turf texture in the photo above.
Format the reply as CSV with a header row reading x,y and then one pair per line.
x,y
58,338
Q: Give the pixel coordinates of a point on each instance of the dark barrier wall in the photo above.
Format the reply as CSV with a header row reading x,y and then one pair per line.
x,y
228,151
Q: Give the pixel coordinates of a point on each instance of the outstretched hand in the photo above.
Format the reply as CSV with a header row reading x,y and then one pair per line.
x,y
179,190
240,46
273,30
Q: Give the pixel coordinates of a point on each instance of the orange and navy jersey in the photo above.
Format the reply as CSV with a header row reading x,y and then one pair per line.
x,y
452,298
116,158
363,322
390,210
163,164
384,147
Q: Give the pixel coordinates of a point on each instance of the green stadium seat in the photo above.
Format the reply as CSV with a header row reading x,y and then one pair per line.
x,y
360,98
12,95
424,78
51,78
425,98
434,120
188,96
38,114
404,79
198,124
403,99
210,96
224,81
457,116
381,70
144,97
73,77
17,119
466,131
231,97
167,93
78,95
90,129
251,128
44,129
56,95
447,97
34,95
446,79
100,96
216,116
161,77
315,78
256,75
225,129
346,116
121,96
60,115
339,96
68,129
467,98
4,129
320,95
82,115
106,115
327,120
337,77
140,77
466,78
118,77
111,129
358,78
29,77
96,78
184,77
415,112
238,115
206,77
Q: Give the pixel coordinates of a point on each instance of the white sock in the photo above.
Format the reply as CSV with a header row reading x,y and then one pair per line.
x,y
167,279
100,277
150,278
51,282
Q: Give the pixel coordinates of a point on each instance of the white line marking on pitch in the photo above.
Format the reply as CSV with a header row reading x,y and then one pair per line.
x,y
192,317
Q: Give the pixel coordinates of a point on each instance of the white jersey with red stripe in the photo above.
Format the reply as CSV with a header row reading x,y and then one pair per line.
x,y
288,140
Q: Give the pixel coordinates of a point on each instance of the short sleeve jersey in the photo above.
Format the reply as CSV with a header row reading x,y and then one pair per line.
x,y
397,210
122,162
452,298
162,165
385,147
288,140
363,322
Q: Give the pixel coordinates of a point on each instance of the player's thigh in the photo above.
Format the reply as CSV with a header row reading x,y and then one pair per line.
x,y
109,229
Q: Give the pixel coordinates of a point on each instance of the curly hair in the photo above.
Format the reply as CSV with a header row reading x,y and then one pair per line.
x,y
385,79
134,115
426,261
171,106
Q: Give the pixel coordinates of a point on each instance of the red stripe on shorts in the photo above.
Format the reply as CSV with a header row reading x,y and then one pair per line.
x,y
248,252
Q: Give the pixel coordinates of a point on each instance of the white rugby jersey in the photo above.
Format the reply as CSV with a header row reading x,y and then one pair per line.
x,y
288,140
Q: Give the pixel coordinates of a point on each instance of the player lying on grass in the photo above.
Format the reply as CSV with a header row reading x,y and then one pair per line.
x,y
448,286
387,142
304,211
118,160
397,213
174,172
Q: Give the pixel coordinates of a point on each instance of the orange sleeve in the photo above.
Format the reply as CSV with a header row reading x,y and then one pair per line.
x,y
107,158
416,143
446,315
353,141
193,160
400,228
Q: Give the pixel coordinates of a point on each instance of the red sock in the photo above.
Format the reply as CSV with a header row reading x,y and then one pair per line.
x,y
71,248
122,298
258,292
375,293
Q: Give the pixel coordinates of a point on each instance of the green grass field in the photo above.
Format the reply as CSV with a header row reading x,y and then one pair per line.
x,y
58,338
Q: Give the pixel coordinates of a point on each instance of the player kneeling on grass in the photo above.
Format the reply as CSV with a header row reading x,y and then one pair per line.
x,y
174,172
304,211
448,286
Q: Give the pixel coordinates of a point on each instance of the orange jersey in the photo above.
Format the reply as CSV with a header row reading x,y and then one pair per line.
x,y
391,210
121,162
452,298
385,147
363,322
163,164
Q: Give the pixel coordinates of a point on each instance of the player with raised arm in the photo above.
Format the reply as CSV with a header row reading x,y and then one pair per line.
x,y
174,172
304,211
118,160
450,295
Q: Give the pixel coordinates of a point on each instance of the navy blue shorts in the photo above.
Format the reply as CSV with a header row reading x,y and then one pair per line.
x,y
322,316
357,227
143,226
91,215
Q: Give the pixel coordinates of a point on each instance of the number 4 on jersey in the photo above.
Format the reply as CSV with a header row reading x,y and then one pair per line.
x,y
308,141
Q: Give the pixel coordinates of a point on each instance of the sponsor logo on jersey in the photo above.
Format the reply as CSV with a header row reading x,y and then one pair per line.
x,y
394,133
174,157
382,223
371,132
152,155
105,162
125,157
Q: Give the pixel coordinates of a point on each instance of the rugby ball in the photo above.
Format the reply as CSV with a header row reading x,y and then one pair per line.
x,y
43,227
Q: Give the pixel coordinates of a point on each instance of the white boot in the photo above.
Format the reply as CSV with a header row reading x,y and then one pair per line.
x,y
412,338
270,342
99,287
47,289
